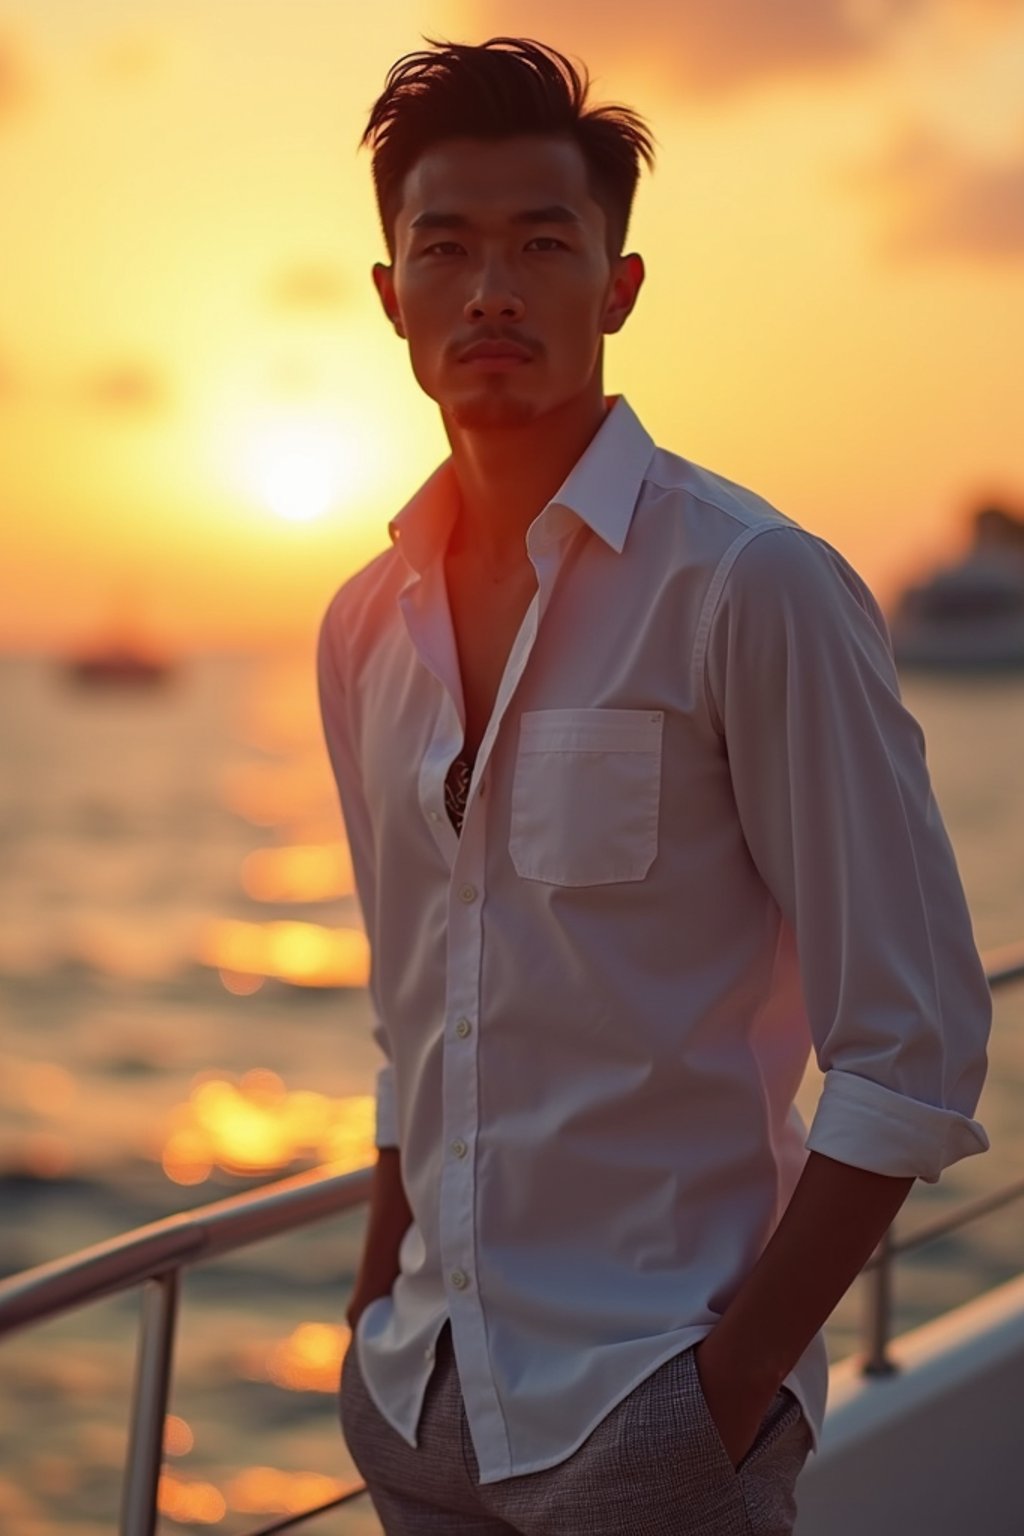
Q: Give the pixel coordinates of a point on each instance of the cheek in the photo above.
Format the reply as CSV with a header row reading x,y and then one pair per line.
x,y
428,330
423,304
576,319
424,358
578,300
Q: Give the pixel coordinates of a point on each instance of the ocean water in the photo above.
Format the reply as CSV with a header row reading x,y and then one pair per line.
x,y
182,1016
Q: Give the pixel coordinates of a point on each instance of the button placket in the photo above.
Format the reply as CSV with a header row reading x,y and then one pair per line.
x,y
461,1273
461,1042
460,1115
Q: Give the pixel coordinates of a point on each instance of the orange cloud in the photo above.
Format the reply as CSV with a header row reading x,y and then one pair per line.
x,y
126,388
702,49
15,86
309,286
131,56
942,202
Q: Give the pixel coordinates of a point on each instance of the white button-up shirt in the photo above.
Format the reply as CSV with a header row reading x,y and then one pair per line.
x,y
699,841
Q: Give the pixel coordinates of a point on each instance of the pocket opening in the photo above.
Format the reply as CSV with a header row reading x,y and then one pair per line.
x,y
585,796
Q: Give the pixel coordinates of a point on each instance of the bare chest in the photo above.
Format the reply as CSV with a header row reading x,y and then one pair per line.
x,y
486,618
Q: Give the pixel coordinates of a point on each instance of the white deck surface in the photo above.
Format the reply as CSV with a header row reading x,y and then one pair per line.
x,y
936,1450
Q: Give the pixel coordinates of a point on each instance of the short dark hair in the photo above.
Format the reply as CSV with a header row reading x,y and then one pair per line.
x,y
501,89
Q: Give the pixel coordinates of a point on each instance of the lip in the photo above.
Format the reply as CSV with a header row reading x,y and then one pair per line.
x,y
507,352
495,362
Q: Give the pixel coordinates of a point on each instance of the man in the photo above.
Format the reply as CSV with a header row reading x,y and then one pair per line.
x,y
637,819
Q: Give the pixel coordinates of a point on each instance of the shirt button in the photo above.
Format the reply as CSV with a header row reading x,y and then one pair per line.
x,y
459,1147
428,1353
433,815
463,1028
458,1279
468,893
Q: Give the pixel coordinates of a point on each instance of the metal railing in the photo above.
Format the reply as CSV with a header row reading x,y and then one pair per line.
x,y
1003,967
154,1257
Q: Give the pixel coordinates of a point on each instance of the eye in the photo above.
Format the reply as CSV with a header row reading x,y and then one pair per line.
x,y
550,240
437,246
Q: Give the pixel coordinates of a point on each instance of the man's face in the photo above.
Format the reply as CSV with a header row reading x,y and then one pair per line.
x,y
468,267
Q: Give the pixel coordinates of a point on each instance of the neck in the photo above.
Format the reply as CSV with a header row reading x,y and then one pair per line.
x,y
507,474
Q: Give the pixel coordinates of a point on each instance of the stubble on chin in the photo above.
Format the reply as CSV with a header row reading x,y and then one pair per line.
x,y
480,412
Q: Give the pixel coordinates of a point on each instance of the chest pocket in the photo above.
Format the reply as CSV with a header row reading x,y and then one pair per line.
x,y
585,795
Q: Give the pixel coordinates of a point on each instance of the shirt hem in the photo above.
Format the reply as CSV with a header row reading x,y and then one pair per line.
x,y
689,1337
693,1337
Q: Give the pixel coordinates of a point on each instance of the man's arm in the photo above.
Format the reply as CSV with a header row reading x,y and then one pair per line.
x,y
388,1222
835,802
834,1221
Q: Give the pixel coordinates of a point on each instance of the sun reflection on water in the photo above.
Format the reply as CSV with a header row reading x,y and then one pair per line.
x,y
258,1126
308,1360
190,1502
304,954
178,1437
269,1491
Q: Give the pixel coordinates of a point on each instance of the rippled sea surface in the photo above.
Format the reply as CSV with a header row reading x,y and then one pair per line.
x,y
182,1016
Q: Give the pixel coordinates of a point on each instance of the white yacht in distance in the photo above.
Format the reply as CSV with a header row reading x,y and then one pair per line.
x,y
968,616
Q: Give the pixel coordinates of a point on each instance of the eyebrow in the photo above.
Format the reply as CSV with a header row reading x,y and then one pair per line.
x,y
555,213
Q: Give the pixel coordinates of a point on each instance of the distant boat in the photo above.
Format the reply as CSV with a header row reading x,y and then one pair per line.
x,y
968,616
118,664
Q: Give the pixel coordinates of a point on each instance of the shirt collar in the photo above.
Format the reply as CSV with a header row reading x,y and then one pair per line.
x,y
600,490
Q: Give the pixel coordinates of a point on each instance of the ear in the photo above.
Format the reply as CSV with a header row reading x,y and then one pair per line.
x,y
626,282
384,282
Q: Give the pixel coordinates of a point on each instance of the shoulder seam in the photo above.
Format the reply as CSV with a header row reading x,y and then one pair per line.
x,y
706,501
709,608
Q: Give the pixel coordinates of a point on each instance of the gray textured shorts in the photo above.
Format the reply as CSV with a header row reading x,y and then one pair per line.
x,y
655,1464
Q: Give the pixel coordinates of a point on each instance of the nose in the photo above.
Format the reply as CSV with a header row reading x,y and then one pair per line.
x,y
494,295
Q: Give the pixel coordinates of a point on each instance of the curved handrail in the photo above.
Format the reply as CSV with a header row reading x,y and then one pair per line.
x,y
153,1256
970,1211
1003,965
179,1241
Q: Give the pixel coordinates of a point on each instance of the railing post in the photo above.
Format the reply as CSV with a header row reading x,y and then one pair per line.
x,y
149,1405
878,1312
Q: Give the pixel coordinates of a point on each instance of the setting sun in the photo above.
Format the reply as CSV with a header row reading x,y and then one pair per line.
x,y
303,466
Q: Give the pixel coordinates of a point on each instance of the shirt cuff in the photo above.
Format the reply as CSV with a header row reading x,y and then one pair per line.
x,y
858,1121
386,1134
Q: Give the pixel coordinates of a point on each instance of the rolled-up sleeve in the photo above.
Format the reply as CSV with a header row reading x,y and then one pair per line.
x,y
338,739
835,801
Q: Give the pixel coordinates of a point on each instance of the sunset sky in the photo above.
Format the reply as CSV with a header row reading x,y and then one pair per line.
x,y
206,422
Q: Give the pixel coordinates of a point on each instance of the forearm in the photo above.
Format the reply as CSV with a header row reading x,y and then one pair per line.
x,y
835,1219
388,1221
